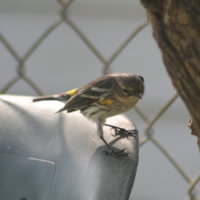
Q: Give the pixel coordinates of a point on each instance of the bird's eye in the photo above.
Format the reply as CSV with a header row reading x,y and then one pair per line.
x,y
126,92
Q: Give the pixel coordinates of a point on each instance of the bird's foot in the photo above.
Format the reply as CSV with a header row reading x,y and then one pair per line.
x,y
116,153
123,132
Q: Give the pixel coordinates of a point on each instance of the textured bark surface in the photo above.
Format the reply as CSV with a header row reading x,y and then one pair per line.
x,y
176,28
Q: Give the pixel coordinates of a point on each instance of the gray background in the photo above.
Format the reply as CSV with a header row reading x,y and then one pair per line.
x,y
62,62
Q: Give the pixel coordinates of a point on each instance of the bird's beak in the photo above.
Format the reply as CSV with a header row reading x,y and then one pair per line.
x,y
139,95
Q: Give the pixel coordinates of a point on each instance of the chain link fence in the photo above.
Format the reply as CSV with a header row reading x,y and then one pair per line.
x,y
148,136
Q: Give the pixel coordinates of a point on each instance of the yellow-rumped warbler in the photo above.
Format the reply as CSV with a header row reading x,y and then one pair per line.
x,y
104,97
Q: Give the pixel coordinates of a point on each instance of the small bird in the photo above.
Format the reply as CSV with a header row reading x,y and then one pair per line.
x,y
104,97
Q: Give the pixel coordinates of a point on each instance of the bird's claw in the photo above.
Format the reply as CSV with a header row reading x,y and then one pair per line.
x,y
114,153
123,132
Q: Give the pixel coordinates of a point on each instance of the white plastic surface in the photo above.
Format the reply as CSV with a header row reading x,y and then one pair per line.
x,y
51,156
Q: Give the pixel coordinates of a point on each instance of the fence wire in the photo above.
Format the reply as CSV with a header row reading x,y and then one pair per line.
x,y
192,182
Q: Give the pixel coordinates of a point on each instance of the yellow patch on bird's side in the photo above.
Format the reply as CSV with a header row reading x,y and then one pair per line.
x,y
106,101
72,92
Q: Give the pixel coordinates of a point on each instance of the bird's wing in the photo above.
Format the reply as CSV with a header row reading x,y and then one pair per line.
x,y
93,92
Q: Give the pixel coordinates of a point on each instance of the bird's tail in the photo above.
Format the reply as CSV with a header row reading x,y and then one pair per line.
x,y
57,97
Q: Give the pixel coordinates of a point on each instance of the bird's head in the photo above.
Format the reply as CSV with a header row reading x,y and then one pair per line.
x,y
131,85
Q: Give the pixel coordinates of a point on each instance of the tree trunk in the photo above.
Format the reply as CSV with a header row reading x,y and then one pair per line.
x,y
176,28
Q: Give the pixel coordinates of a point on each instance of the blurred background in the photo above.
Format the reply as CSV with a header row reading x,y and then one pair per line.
x,y
44,51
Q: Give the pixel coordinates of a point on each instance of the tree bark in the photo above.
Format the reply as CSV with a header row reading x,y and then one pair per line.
x,y
176,28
